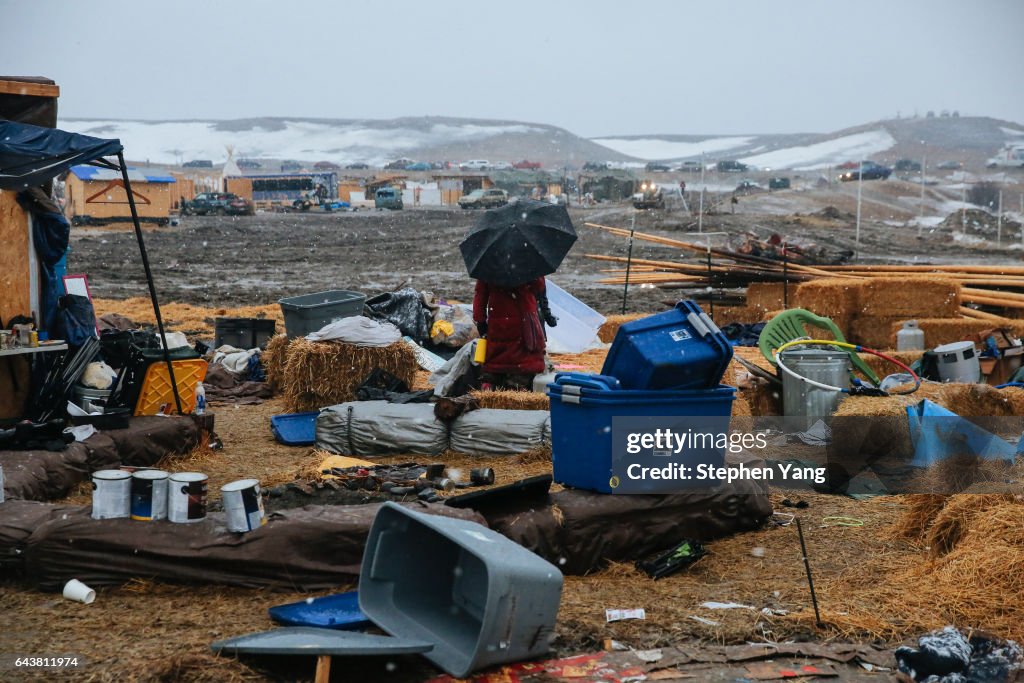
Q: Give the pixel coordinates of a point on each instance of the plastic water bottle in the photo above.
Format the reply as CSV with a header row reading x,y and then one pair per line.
x,y
200,399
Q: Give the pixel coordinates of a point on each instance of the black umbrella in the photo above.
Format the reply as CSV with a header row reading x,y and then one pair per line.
x,y
517,243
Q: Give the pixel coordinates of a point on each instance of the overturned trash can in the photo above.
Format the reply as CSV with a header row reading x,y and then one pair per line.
x,y
480,598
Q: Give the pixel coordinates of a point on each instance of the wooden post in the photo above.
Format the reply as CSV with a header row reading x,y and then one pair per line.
x,y
323,669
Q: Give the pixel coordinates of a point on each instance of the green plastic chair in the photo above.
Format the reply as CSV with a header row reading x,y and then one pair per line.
x,y
790,325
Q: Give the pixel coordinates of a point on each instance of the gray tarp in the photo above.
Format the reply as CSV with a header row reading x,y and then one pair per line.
x,y
381,428
490,431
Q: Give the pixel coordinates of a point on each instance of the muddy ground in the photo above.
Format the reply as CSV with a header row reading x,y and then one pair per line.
x,y
230,261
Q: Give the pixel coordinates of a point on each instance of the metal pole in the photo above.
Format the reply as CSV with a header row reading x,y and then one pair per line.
x,y
807,568
860,183
149,280
700,214
711,290
702,171
629,261
999,221
785,275
920,222
963,206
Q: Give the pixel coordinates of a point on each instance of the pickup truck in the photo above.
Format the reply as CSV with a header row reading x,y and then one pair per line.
x,y
218,203
484,199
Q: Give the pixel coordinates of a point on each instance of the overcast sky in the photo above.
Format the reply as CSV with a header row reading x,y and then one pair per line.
x,y
596,68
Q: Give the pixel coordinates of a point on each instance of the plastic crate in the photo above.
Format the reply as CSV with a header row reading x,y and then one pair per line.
x,y
310,312
480,598
678,349
296,429
243,333
156,386
582,408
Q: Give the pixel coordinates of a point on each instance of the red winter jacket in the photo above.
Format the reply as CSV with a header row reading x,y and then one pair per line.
x,y
515,336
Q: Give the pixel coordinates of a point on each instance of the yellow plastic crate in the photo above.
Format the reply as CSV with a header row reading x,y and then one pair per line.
x,y
156,386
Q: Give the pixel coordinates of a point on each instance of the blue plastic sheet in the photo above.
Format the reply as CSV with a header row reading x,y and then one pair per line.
x,y
937,434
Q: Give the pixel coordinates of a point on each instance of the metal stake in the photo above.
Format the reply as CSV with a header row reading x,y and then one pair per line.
x,y
810,580
629,261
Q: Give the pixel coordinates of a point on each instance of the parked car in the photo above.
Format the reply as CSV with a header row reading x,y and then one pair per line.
x,y
501,166
778,184
398,164
418,166
526,165
907,166
218,203
949,166
388,198
326,166
358,165
871,171
248,163
690,166
484,199
596,166
657,167
475,165
198,163
731,166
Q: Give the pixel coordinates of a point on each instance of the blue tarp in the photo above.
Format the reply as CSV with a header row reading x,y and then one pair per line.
x,y
938,434
32,155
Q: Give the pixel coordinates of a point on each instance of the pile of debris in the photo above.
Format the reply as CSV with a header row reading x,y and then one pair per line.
x,y
981,223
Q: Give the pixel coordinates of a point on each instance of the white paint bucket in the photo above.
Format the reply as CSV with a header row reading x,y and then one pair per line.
x,y
149,495
111,494
243,505
186,497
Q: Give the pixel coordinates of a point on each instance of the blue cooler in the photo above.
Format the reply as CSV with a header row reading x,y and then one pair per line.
x,y
582,408
678,349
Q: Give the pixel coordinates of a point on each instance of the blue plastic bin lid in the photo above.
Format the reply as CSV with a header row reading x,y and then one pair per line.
x,y
295,429
299,640
340,610
694,321
587,380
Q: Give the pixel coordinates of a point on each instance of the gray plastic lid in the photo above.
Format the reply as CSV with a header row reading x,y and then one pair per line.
x,y
307,640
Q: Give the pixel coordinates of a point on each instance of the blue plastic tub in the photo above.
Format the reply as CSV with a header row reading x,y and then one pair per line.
x,y
678,349
340,610
295,429
582,408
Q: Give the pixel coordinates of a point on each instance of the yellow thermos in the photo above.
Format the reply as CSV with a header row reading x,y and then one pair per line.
x,y
480,352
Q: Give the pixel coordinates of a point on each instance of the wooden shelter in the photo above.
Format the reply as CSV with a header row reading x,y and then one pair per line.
x,y
97,195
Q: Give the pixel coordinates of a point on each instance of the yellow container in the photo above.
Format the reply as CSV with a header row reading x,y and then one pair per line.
x,y
480,352
156,386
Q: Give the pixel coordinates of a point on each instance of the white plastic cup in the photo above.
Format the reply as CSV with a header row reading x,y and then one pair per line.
x,y
79,592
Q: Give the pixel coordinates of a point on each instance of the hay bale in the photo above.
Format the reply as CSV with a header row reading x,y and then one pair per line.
x,y
318,374
875,332
883,367
273,359
511,400
612,323
909,296
764,398
769,296
741,408
746,315
831,297
952,329
921,509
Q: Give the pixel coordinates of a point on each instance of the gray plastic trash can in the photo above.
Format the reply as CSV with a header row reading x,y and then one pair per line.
x,y
477,596
310,312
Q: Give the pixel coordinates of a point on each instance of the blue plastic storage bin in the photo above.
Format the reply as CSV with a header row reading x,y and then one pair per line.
x,y
582,408
678,349
295,429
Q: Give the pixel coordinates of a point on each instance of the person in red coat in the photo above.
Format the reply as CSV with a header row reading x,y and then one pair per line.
x,y
510,319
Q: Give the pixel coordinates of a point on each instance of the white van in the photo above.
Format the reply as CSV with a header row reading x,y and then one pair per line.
x,y
475,165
